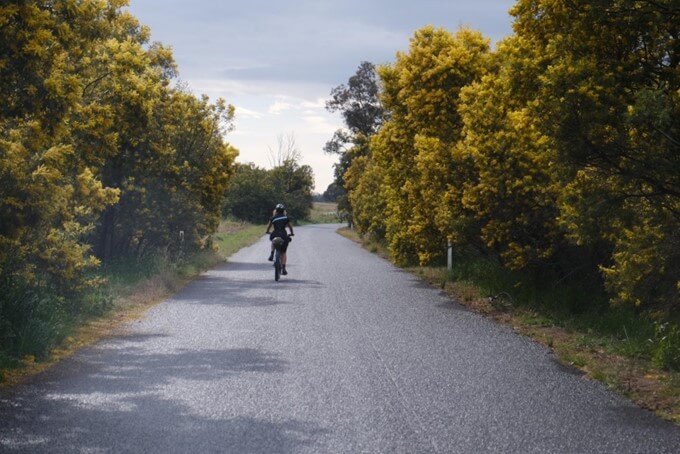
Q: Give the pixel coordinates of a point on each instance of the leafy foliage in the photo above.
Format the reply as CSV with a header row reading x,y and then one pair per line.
x,y
413,149
100,158
609,100
363,114
254,192
249,197
554,154
333,192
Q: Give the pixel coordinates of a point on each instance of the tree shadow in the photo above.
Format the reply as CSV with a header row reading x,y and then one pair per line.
x,y
148,423
222,291
220,288
116,398
298,282
244,266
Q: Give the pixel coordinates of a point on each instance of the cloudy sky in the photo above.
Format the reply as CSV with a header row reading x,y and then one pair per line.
x,y
277,60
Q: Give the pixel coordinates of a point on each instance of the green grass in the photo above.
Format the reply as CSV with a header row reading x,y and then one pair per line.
x,y
234,235
572,305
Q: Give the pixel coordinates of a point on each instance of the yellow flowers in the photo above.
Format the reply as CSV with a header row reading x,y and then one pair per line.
x,y
562,143
410,155
98,154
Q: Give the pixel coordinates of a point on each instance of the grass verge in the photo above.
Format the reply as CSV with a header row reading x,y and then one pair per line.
x,y
609,345
131,289
234,235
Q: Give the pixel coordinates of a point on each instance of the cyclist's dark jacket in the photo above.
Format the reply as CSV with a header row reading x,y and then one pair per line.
x,y
279,221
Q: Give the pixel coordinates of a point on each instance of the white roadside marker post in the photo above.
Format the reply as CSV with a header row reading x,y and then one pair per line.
x,y
449,255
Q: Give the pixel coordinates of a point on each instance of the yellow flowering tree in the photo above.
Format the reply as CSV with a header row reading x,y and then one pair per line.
x,y
508,202
610,102
413,149
99,158
49,196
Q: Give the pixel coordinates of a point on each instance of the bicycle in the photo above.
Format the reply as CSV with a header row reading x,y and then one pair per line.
x,y
278,242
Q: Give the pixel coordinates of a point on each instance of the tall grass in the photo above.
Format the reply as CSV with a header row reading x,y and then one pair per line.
x,y
233,235
32,322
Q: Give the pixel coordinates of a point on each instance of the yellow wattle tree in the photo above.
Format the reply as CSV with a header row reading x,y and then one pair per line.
x,y
610,102
509,198
49,196
421,92
97,152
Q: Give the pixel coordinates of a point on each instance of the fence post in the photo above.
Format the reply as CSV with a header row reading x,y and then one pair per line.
x,y
449,255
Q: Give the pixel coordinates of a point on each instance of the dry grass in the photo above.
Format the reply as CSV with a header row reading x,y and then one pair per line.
x,y
323,213
375,247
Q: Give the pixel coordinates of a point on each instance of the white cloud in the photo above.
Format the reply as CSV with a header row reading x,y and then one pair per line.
x,y
320,103
242,112
317,124
278,107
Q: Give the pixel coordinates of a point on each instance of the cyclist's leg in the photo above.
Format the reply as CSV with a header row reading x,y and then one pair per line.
x,y
271,253
284,250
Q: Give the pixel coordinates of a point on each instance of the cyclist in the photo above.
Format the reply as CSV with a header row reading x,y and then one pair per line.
x,y
279,221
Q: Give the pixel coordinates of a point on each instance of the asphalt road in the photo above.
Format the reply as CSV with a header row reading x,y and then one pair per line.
x,y
346,354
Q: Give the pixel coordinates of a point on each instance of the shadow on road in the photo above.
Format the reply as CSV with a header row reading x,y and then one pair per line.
x,y
230,284
119,397
298,283
222,291
243,266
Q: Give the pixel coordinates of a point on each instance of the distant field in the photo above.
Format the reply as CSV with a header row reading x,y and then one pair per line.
x,y
323,213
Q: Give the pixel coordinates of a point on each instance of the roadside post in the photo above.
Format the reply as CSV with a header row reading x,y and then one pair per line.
x,y
449,255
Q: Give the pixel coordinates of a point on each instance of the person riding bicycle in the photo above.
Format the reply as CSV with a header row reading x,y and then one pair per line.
x,y
279,221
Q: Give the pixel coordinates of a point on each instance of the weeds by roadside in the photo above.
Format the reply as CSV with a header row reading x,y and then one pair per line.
x,y
632,353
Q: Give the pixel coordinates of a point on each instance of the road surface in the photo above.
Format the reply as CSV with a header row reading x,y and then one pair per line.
x,y
346,354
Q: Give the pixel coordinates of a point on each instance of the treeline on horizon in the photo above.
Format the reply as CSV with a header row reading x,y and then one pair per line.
x,y
253,191
556,154
102,159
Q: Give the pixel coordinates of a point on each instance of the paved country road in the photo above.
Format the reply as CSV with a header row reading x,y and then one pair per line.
x,y
346,354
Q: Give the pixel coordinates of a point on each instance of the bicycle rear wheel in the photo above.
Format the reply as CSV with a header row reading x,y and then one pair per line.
x,y
277,265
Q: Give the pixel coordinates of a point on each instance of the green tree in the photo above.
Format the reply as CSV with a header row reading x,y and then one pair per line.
x,y
249,195
253,192
333,192
362,112
293,184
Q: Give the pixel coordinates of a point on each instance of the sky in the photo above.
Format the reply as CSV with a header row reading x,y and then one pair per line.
x,y
276,61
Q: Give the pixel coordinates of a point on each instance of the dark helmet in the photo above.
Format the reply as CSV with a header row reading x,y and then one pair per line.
x,y
280,207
